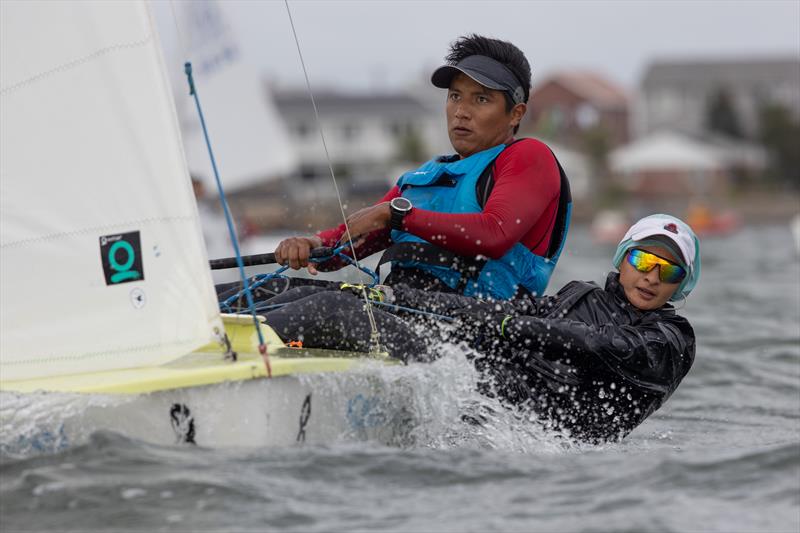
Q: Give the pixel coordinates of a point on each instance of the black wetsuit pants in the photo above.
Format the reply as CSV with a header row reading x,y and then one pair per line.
x,y
321,315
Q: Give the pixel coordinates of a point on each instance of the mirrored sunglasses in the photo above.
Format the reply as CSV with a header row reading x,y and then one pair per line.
x,y
668,272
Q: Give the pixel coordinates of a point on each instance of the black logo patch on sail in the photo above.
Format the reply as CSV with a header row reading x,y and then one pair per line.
x,y
121,255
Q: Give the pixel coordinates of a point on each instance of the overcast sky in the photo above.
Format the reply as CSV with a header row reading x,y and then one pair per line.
x,y
385,44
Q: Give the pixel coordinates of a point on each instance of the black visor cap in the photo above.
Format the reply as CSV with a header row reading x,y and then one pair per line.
x,y
484,70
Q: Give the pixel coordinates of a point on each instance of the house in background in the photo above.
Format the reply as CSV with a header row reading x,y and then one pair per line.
x,y
578,169
676,95
368,136
565,105
675,173
743,159
669,164
371,140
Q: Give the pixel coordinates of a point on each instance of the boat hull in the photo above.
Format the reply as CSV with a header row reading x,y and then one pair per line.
x,y
209,399
314,408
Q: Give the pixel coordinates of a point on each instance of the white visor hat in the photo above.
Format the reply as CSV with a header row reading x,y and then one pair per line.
x,y
669,227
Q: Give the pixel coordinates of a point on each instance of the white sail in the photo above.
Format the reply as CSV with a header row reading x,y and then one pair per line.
x,y
251,143
102,264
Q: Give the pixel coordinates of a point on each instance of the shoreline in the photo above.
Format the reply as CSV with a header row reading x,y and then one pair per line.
x,y
278,213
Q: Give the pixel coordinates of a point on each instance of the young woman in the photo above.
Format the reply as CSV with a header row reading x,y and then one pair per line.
x,y
595,361
591,361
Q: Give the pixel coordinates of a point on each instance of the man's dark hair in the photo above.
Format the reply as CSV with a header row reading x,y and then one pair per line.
x,y
501,51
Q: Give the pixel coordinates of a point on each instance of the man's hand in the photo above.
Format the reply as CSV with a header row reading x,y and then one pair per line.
x,y
369,219
295,251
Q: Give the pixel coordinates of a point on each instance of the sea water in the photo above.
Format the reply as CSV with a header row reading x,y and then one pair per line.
x,y
722,455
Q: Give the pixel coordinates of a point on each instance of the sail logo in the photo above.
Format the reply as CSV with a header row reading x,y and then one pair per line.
x,y
121,255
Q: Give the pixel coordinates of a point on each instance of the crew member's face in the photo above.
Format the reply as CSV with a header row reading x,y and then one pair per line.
x,y
477,118
645,290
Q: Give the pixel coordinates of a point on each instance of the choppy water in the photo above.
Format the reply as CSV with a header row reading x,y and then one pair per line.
x,y
722,455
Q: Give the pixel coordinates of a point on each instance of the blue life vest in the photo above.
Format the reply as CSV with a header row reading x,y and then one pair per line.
x,y
449,187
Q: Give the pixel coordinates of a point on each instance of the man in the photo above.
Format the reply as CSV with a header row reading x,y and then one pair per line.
x,y
488,221
593,362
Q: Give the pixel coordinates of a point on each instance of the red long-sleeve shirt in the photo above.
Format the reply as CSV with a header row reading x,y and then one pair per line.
x,y
521,207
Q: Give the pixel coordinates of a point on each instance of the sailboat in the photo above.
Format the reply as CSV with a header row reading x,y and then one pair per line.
x,y
251,139
250,136
108,315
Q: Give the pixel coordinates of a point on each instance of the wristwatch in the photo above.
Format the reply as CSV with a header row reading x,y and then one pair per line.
x,y
399,207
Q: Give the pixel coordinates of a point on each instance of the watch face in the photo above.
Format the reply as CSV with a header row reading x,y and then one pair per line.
x,y
401,204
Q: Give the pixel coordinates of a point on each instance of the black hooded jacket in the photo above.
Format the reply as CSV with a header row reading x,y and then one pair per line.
x,y
585,360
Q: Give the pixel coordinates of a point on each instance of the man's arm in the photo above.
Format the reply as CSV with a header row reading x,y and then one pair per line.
x,y
521,208
332,236
366,244
296,250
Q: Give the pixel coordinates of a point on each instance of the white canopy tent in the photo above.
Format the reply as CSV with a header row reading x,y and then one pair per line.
x,y
665,151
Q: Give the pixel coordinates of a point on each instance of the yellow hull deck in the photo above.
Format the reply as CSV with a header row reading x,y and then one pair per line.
x,y
206,366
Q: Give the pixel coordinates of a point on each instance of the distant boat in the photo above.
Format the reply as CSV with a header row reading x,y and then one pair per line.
x,y
709,223
251,140
610,226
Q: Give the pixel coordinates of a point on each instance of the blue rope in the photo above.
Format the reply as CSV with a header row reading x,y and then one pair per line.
x,y
350,261
261,279
187,67
268,307
375,302
416,311
258,281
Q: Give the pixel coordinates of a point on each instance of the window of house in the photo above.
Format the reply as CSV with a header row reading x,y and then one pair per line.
x,y
302,129
556,118
308,172
667,103
586,116
350,130
400,129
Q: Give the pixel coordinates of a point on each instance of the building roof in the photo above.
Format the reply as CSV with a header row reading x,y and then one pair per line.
x,y
591,86
702,73
389,104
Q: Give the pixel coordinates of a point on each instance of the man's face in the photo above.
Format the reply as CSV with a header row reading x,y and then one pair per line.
x,y
477,118
645,290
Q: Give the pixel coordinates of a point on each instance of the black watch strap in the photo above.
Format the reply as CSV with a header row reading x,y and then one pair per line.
x,y
396,219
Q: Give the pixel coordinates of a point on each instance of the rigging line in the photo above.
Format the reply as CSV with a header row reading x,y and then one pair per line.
x,y
181,39
262,346
375,340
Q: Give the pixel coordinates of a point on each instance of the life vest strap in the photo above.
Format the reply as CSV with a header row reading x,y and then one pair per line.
x,y
560,226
